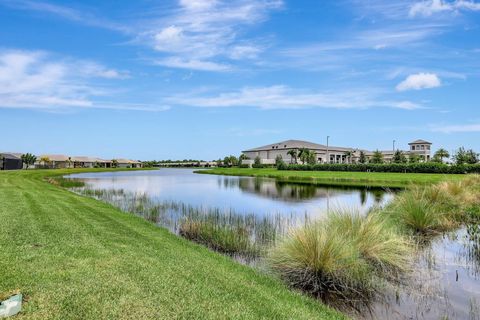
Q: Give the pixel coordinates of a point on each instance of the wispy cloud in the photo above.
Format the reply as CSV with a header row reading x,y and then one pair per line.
x,y
471,127
419,81
38,80
199,33
283,97
430,7
64,12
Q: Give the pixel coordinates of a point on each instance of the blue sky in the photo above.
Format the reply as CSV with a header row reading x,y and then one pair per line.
x,y
203,79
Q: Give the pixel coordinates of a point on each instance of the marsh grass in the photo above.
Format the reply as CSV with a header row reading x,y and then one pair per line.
x,y
226,239
434,209
345,254
66,182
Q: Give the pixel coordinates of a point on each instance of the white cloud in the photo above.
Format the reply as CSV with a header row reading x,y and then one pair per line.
x,y
430,7
38,80
475,127
419,81
283,97
201,65
200,33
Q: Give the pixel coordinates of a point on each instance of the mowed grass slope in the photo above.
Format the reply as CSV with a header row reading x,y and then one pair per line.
x,y
374,179
77,258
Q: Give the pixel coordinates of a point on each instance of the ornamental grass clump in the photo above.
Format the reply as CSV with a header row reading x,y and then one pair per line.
x,y
415,212
346,254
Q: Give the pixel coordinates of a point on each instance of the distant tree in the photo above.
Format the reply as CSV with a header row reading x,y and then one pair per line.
x,y
28,159
44,161
413,158
399,157
230,161
257,161
349,155
279,161
293,153
303,155
219,162
440,154
114,163
463,156
242,157
362,158
377,157
312,158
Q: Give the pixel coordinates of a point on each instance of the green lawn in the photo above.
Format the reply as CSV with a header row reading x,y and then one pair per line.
x,y
374,179
77,258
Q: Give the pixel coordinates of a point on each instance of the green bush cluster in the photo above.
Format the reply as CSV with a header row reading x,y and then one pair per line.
x,y
427,167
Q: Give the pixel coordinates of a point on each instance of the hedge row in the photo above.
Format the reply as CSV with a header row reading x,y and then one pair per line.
x,y
427,167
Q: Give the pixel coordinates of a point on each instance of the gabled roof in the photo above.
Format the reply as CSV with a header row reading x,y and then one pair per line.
x,y
127,161
8,155
53,157
295,144
420,141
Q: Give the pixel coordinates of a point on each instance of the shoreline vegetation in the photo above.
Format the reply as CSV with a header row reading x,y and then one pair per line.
x,y
349,255
77,257
345,256
339,178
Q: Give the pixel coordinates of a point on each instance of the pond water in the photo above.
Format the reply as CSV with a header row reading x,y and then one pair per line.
x,y
444,285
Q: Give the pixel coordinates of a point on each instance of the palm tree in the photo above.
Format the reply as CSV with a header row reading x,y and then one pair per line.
x,y
293,154
29,159
44,160
349,155
303,154
441,153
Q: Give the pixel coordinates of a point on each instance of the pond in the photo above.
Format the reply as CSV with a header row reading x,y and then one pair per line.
x,y
444,285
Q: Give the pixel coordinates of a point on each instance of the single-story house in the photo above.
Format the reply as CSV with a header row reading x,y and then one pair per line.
x,y
10,161
54,161
126,163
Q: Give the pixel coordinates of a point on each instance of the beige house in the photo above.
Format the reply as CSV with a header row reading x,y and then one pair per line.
x,y
59,161
327,154
126,163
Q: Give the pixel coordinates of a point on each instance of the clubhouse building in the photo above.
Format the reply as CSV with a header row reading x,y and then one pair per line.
x,y
331,154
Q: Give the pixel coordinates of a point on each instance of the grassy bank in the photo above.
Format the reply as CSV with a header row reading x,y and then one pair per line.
x,y
374,179
74,257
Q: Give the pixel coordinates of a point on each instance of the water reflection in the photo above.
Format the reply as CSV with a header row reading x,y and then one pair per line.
x,y
261,196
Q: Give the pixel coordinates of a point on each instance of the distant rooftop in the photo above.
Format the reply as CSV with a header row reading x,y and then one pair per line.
x,y
295,144
419,141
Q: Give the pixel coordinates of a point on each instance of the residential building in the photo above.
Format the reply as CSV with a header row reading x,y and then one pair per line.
x,y
10,161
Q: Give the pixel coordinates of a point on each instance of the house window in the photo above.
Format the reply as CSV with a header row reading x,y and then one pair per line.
x,y
428,147
285,146
273,147
423,147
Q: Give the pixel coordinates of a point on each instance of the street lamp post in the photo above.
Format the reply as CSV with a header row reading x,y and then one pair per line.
x,y
328,155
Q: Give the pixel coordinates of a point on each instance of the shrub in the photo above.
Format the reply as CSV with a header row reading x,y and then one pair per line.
x,y
344,254
426,167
